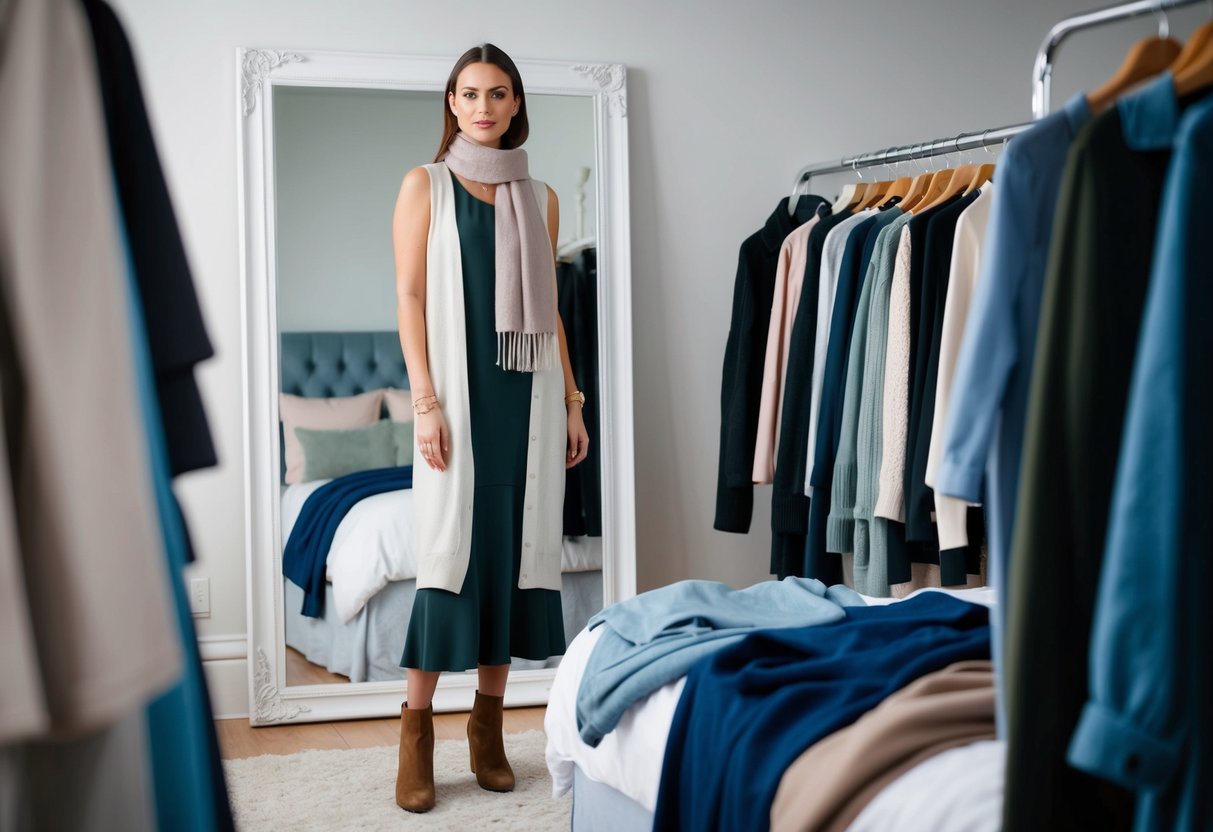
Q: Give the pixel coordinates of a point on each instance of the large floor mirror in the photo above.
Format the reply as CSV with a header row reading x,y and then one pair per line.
x,y
324,141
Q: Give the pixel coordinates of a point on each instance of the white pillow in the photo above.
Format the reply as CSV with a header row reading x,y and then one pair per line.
x,y
338,413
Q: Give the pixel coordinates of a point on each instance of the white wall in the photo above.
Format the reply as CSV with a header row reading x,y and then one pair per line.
x,y
339,156
726,102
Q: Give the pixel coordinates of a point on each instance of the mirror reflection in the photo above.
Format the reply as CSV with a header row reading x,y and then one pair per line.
x,y
347,507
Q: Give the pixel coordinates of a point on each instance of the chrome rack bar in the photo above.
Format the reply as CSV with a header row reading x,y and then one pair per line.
x,y
1042,79
1042,72
963,141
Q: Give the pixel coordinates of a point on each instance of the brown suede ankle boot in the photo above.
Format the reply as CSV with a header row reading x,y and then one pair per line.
x,y
415,775
486,746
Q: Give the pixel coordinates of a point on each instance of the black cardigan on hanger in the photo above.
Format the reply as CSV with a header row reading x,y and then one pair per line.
x,y
744,356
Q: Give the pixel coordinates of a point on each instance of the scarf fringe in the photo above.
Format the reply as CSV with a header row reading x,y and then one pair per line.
x,y
526,352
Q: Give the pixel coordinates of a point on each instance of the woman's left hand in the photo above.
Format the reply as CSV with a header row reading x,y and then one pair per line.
x,y
579,440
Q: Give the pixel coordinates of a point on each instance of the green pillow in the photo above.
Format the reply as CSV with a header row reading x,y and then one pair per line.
x,y
328,454
403,432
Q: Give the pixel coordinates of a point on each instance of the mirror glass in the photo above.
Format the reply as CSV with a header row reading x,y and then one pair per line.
x,y
339,154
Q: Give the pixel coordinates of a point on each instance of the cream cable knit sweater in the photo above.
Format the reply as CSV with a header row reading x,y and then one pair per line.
x,y
891,503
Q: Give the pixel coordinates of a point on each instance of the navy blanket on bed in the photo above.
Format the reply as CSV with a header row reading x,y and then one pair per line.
x,y
307,549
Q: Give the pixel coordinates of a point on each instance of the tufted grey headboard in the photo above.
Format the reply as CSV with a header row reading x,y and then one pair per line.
x,y
326,364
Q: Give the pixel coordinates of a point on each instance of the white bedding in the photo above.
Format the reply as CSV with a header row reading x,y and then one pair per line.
x,y
629,758
960,790
373,545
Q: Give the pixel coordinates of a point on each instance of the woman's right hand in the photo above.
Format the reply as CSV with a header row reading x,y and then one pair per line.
x,y
433,438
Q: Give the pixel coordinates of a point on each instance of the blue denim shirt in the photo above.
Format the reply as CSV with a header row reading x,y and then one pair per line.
x,y
987,414
1147,725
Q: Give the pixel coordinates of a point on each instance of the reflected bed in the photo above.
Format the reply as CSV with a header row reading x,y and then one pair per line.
x,y
371,567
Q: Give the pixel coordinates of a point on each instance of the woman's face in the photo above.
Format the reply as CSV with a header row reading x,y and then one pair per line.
x,y
483,102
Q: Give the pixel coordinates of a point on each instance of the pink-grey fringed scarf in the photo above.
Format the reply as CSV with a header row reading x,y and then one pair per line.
x,y
526,272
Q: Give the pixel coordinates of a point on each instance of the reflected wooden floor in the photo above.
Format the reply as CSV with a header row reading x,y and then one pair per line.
x,y
238,739
299,671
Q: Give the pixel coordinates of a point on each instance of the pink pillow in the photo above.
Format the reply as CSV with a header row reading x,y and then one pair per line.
x,y
399,404
339,413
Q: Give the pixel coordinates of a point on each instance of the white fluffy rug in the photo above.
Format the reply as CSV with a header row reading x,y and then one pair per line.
x,y
355,789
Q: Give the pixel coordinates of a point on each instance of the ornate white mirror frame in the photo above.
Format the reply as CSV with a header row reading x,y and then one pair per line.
x,y
258,73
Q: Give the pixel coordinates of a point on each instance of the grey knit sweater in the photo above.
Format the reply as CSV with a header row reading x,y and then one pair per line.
x,y
871,538
841,530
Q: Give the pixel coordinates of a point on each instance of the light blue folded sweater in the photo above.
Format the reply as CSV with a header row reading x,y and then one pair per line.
x,y
655,637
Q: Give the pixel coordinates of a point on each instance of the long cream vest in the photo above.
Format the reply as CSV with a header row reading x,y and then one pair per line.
x,y
443,500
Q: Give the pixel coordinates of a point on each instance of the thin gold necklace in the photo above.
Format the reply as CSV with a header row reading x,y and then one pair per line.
x,y
483,186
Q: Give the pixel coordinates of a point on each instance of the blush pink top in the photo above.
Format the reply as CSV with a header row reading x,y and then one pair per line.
x,y
789,277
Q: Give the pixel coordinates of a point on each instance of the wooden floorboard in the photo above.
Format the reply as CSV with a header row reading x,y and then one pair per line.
x,y
238,739
299,671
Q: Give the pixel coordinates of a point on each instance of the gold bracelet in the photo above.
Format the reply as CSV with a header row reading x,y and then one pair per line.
x,y
426,402
575,396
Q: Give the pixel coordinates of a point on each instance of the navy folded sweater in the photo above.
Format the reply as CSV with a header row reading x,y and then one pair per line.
x,y
748,712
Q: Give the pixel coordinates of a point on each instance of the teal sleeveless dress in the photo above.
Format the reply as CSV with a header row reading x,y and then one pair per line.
x,y
490,619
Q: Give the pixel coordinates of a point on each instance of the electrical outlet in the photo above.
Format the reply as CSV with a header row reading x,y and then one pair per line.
x,y
200,597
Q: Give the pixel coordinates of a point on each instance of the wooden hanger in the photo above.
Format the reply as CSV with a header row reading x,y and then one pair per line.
x,y
860,193
983,174
1193,69
919,186
851,194
943,190
1146,59
900,188
875,194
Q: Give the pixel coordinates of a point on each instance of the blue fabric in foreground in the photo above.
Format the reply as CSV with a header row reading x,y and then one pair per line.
x,y
654,638
750,710
305,555
188,781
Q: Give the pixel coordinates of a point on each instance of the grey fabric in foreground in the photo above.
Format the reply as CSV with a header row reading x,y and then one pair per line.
x,y
354,789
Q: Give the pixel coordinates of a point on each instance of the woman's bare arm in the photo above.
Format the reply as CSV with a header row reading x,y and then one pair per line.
x,y
578,440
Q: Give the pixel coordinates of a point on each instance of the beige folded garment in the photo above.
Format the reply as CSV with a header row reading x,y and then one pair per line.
x,y
830,783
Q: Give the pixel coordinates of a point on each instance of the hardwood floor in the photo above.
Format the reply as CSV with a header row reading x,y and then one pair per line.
x,y
299,671
238,739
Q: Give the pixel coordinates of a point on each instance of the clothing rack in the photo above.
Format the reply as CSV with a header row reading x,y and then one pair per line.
x,y
1042,72
1042,81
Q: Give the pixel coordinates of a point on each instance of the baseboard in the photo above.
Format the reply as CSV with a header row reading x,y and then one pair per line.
x,y
225,663
227,681
214,648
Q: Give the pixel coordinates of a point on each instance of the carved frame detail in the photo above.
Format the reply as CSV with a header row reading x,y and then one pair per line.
x,y
255,68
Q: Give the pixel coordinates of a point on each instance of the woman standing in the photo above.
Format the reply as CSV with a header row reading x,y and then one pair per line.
x,y
498,414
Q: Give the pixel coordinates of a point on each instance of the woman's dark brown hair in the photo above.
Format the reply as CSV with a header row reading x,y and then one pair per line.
x,y
486,53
